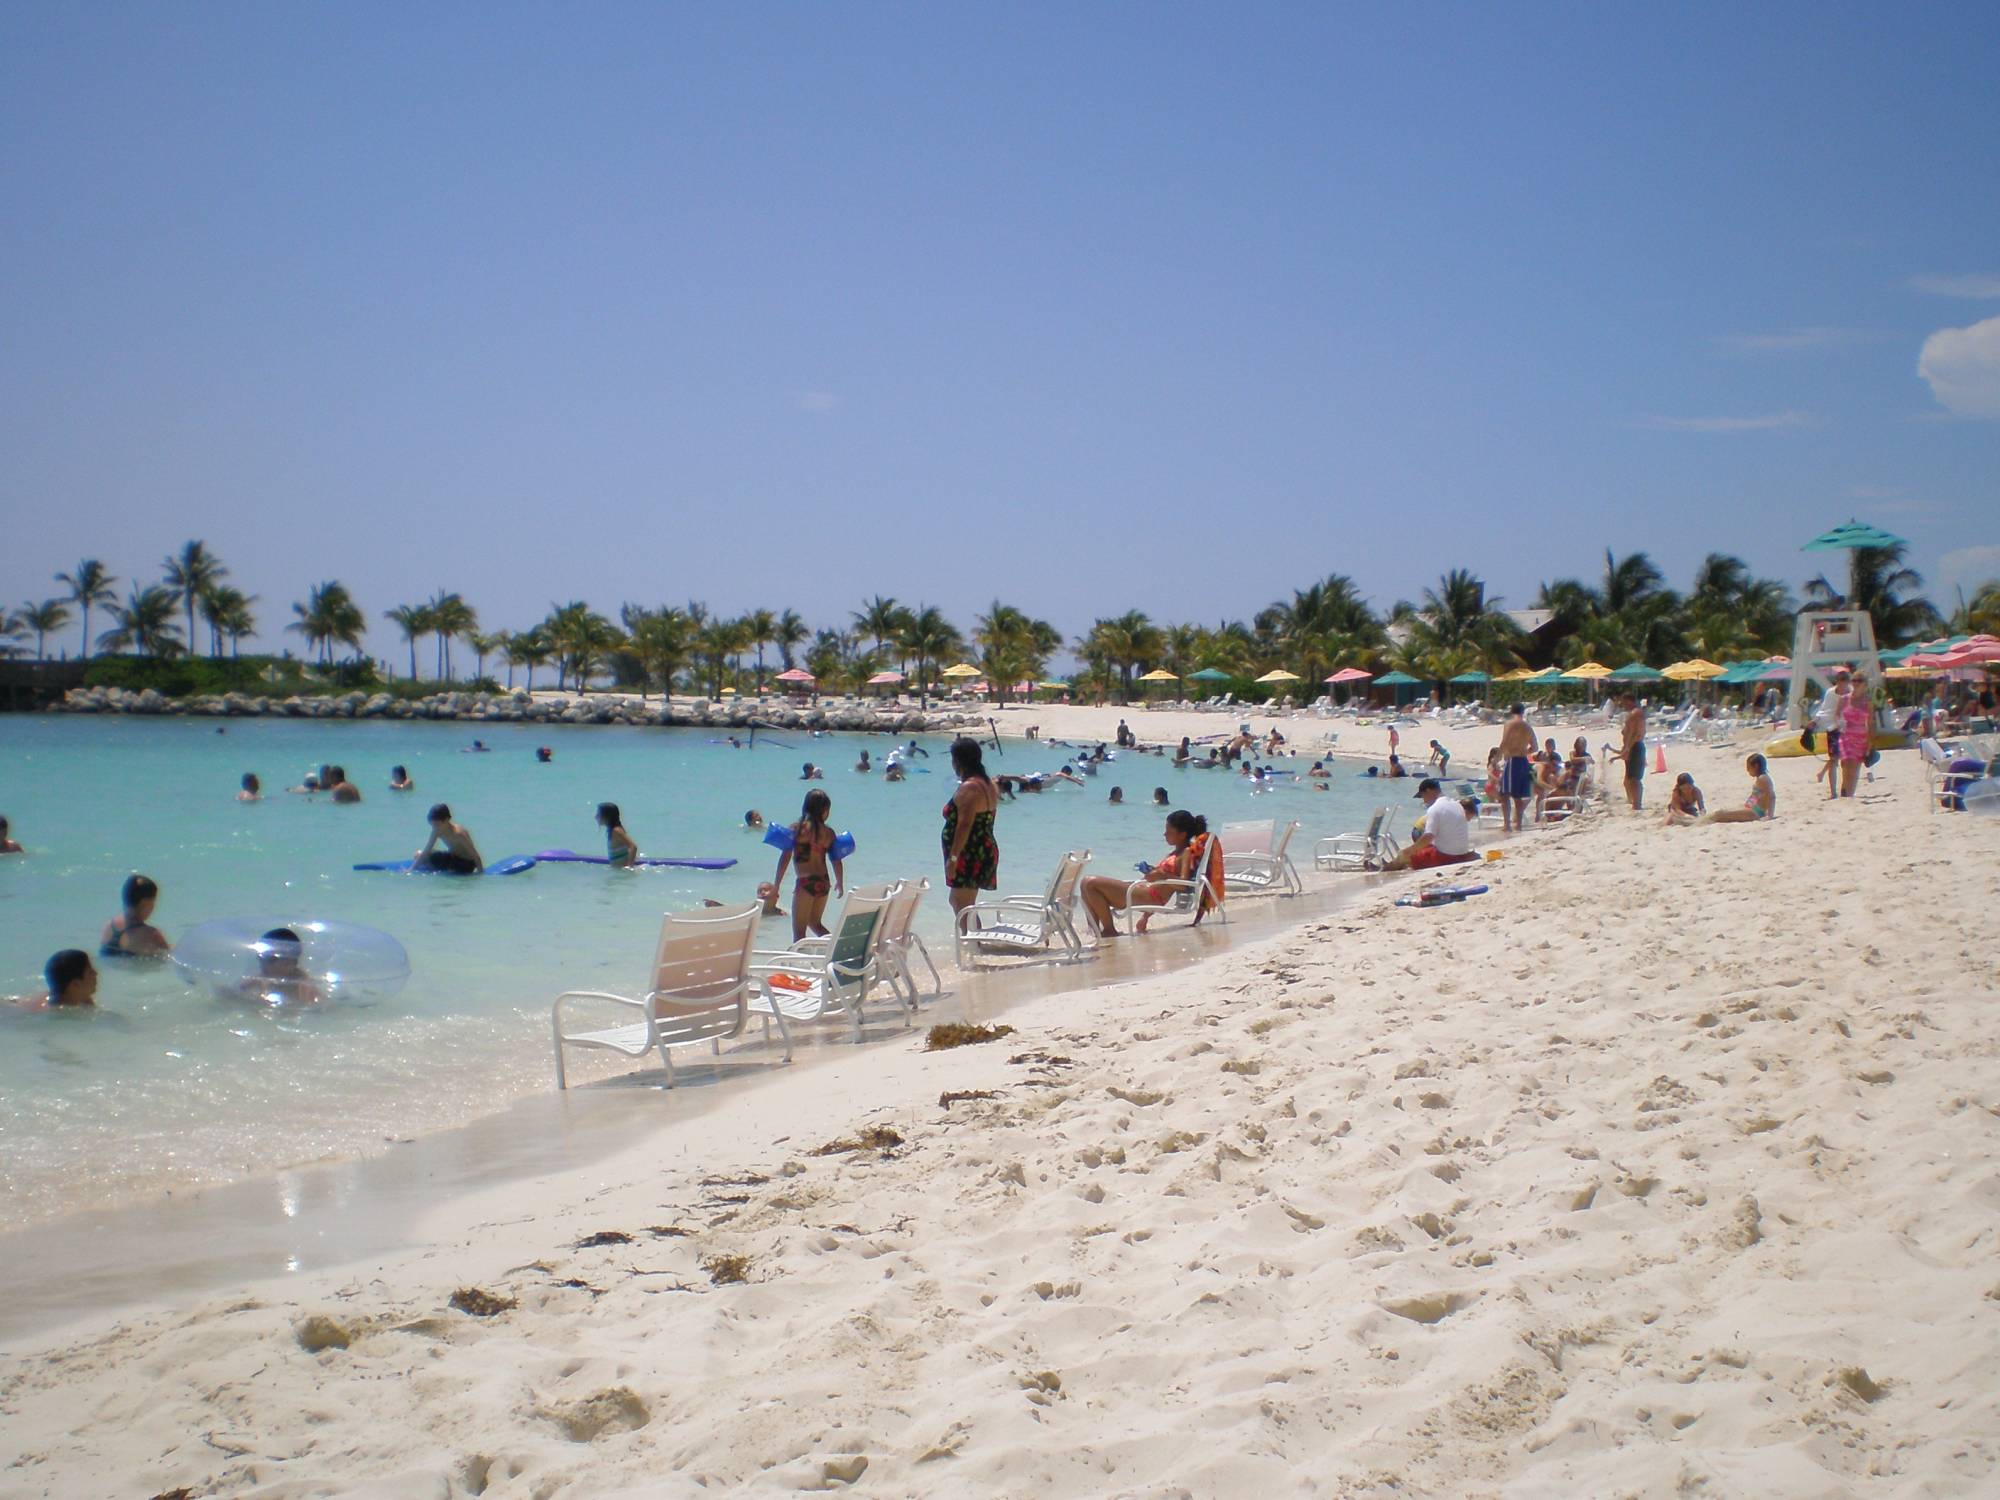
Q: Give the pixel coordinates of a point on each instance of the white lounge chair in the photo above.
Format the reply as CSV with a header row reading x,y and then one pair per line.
x,y
1560,807
1255,857
1183,897
830,976
899,940
1027,924
701,991
1359,851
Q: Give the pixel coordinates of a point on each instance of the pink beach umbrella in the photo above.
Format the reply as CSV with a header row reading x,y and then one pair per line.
x,y
796,674
1349,674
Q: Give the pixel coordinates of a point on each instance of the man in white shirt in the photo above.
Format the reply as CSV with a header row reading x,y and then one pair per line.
x,y
1446,837
1826,719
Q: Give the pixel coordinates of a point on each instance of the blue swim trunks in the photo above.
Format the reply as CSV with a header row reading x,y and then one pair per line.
x,y
1517,779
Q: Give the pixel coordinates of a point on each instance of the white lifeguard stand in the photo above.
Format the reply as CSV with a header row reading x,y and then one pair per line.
x,y
1823,640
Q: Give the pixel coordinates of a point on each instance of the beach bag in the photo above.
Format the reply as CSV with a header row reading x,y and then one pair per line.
x,y
1806,739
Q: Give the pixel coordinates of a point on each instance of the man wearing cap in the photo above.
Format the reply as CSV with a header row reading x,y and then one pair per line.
x,y
1446,837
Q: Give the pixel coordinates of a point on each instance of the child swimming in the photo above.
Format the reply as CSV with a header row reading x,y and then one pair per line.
x,y
133,935
618,844
279,979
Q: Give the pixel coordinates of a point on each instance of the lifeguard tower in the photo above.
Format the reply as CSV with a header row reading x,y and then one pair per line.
x,y
1823,640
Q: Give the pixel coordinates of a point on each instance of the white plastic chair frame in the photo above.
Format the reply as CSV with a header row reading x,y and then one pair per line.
x,y
1359,851
1027,924
838,970
701,991
1269,868
1185,899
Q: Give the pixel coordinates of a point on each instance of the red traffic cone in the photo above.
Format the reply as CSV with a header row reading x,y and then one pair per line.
x,y
1659,760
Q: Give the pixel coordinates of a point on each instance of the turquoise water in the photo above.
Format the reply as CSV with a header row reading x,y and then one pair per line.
x,y
167,1086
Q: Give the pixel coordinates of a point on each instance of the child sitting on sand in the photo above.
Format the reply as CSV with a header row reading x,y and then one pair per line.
x,y
1685,803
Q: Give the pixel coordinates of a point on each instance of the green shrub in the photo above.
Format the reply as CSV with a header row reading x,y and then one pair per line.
x,y
186,676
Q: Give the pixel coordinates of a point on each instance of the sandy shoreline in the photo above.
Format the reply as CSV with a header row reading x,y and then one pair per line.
x,y
1613,1181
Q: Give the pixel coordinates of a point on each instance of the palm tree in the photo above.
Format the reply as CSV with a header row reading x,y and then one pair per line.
x,y
11,630
881,619
50,614
529,649
145,624
226,611
1980,614
580,638
760,629
792,633
450,616
663,640
190,575
1628,581
929,637
329,617
1877,583
89,585
482,645
413,620
1457,627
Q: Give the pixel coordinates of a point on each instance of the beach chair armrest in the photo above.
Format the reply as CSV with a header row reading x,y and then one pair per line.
x,y
602,997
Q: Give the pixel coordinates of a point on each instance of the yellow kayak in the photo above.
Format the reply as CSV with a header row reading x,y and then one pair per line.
x,y
1788,746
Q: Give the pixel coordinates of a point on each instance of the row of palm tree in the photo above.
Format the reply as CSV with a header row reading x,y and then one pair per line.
x,y
1628,613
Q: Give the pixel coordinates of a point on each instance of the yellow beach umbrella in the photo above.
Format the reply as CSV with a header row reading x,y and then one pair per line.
x,y
1159,674
1590,669
963,669
1279,674
1695,670
1519,674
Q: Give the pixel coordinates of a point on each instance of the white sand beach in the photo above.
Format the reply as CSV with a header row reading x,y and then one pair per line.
x,y
1670,1166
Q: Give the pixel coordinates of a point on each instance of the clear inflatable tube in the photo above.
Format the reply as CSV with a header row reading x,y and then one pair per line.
x,y
781,836
291,962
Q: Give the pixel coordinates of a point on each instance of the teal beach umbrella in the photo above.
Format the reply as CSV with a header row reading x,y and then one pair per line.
x,y
1635,671
1208,674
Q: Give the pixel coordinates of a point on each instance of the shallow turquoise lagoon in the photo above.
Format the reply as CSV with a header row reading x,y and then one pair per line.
x,y
168,1086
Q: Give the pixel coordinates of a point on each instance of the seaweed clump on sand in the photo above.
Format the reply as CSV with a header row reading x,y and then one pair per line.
x,y
874,1138
604,1237
959,1034
726,1270
476,1303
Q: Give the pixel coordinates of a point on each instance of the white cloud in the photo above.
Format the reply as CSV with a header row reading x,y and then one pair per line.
x,y
1786,340
1963,368
1964,570
1767,423
820,401
1977,287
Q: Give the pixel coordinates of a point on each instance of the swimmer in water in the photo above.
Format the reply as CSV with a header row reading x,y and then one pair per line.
x,y
459,856
618,843
753,820
862,764
133,935
477,747
811,772
343,790
1159,796
894,771
7,844
399,780
279,980
1117,798
253,789
544,754
72,983
308,786
913,748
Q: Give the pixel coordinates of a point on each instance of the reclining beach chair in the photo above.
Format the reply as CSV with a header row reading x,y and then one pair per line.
x,y
1359,851
701,990
830,976
1254,858
1044,924
899,940
1183,897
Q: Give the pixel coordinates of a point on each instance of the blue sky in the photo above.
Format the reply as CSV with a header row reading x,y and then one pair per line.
x,y
1088,308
